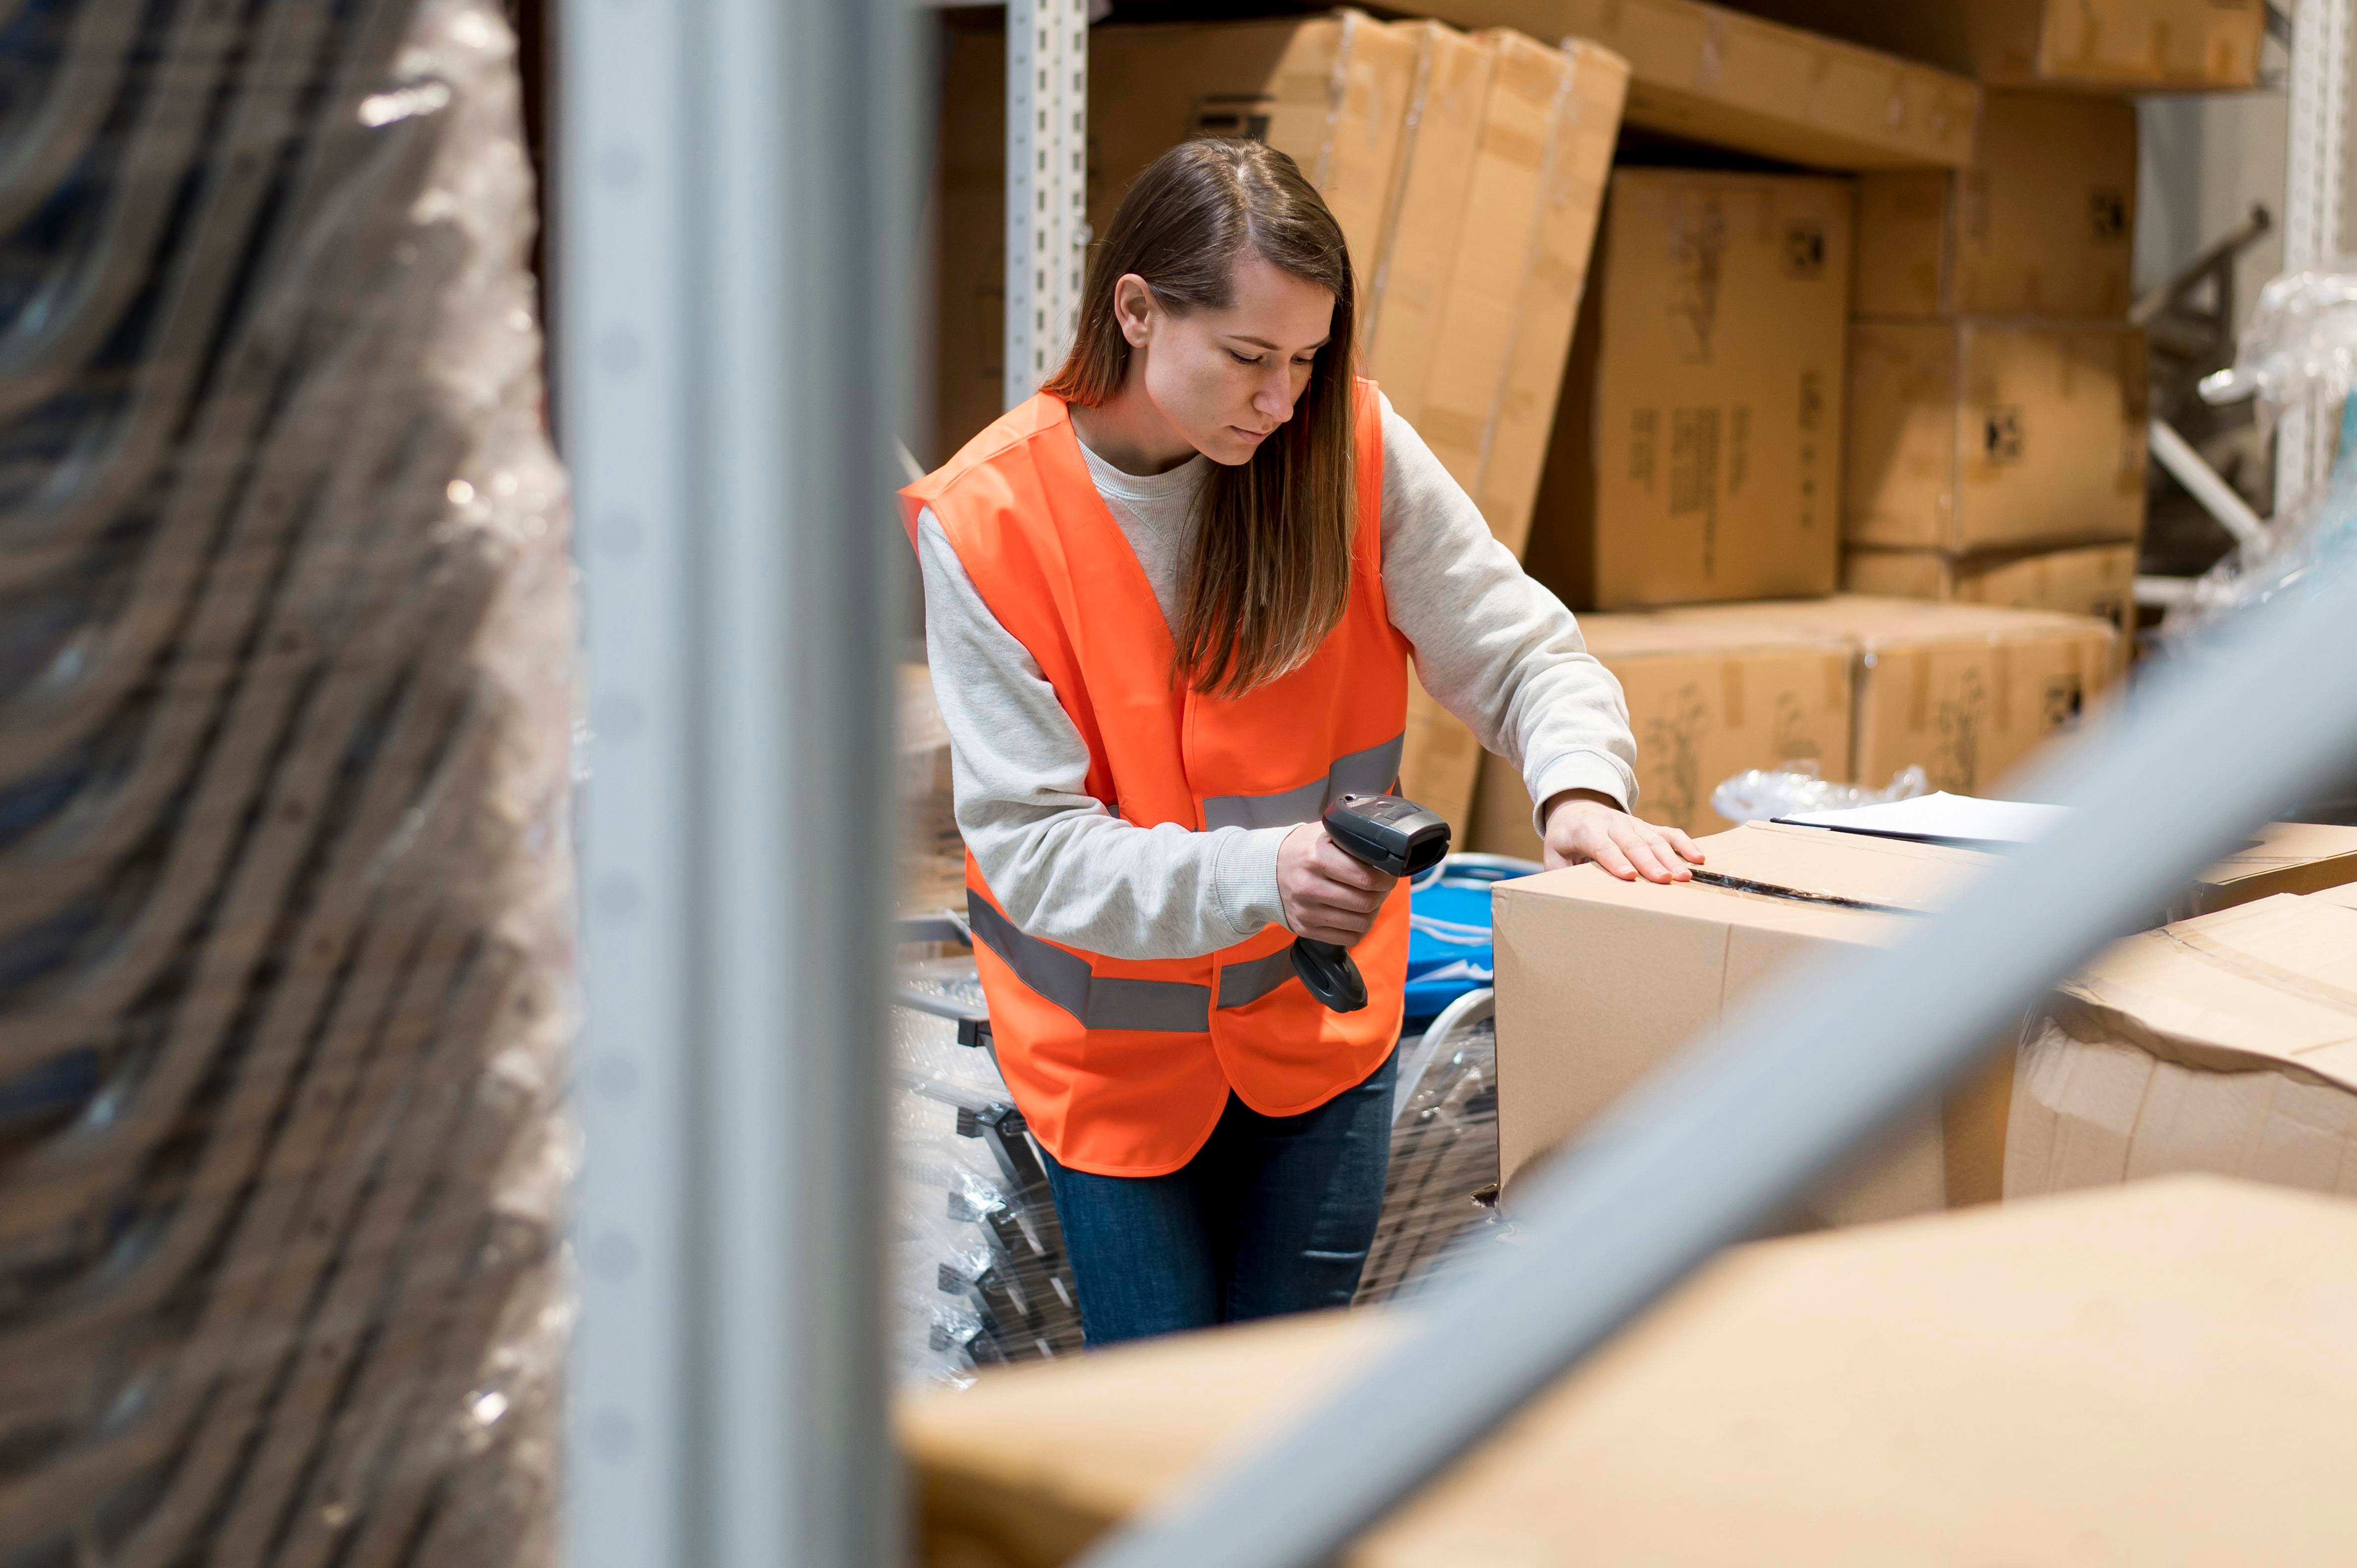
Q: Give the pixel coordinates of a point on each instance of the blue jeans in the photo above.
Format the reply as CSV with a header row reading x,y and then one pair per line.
x,y
1273,1214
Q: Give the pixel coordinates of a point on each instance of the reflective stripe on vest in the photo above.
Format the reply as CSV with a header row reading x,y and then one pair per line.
x,y
1369,772
1098,1000
1100,1003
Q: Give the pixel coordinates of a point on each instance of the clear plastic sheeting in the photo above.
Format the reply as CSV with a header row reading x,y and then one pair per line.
x,y
1444,1162
1760,795
2301,338
286,708
2300,348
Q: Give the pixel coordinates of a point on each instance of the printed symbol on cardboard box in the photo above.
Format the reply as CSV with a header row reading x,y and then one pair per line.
x,y
2107,214
1956,764
1793,743
1231,115
1672,755
2065,699
1805,249
2001,434
1698,258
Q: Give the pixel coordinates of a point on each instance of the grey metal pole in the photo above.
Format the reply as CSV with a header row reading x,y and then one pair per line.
x,y
740,206
1725,1136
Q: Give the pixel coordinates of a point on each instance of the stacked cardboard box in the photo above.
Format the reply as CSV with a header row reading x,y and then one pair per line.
x,y
1705,702
2157,1375
1852,687
1997,392
932,853
1697,451
2125,46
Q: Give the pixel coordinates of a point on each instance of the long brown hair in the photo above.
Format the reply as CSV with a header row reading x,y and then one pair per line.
x,y
1268,574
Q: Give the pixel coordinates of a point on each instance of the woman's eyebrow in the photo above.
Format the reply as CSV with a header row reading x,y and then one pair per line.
x,y
1264,343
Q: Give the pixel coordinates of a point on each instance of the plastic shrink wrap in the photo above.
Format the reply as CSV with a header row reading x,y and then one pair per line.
x,y
286,689
1763,794
2299,348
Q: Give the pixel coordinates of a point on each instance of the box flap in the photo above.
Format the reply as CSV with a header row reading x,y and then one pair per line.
x,y
2268,985
2318,855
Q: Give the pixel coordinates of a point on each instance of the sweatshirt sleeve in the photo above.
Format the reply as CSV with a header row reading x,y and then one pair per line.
x,y
1492,646
1058,862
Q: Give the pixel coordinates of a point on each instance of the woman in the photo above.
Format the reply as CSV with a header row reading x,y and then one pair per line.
x,y
1170,603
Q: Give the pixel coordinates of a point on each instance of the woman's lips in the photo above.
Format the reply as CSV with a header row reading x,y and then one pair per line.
x,y
1252,434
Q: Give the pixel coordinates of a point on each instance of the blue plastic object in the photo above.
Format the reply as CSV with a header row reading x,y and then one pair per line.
x,y
1448,951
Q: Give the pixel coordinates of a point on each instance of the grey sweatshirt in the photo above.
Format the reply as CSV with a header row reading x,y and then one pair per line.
x,y
1492,646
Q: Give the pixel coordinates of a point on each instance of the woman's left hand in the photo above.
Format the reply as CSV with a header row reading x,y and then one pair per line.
x,y
1584,825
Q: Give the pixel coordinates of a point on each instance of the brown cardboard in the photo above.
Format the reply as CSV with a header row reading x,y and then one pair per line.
x,y
1403,297
1331,91
1975,434
1965,692
2281,857
932,853
2039,224
1530,213
1599,982
1590,86
1705,702
2161,1374
2226,1044
1714,75
1520,263
2122,44
1440,759
1696,454
2088,579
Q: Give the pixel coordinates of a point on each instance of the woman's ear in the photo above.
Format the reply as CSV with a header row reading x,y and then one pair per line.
x,y
1132,308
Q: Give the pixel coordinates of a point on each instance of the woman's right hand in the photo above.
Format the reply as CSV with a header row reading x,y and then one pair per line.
x,y
1327,896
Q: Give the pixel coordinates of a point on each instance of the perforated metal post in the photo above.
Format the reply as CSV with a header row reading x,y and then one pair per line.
x,y
2312,202
1046,185
740,199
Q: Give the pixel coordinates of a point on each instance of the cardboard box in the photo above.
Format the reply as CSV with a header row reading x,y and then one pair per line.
x,y
2039,225
2137,46
1331,91
932,852
1696,452
1601,982
1520,254
1403,297
2281,857
1705,702
1529,222
2226,1044
1966,691
1713,75
2088,579
1439,760
2155,1375
1975,435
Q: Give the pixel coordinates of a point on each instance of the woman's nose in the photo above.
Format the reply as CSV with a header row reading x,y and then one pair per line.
x,y
1274,399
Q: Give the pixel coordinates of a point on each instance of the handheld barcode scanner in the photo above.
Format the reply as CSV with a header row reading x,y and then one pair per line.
x,y
1390,834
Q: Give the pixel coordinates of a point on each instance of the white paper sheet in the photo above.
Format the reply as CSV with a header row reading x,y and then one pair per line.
x,y
1943,818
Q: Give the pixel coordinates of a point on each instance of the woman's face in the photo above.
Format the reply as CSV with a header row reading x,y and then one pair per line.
x,y
1224,380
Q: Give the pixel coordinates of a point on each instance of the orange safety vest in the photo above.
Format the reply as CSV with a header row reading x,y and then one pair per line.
x,y
1122,1067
